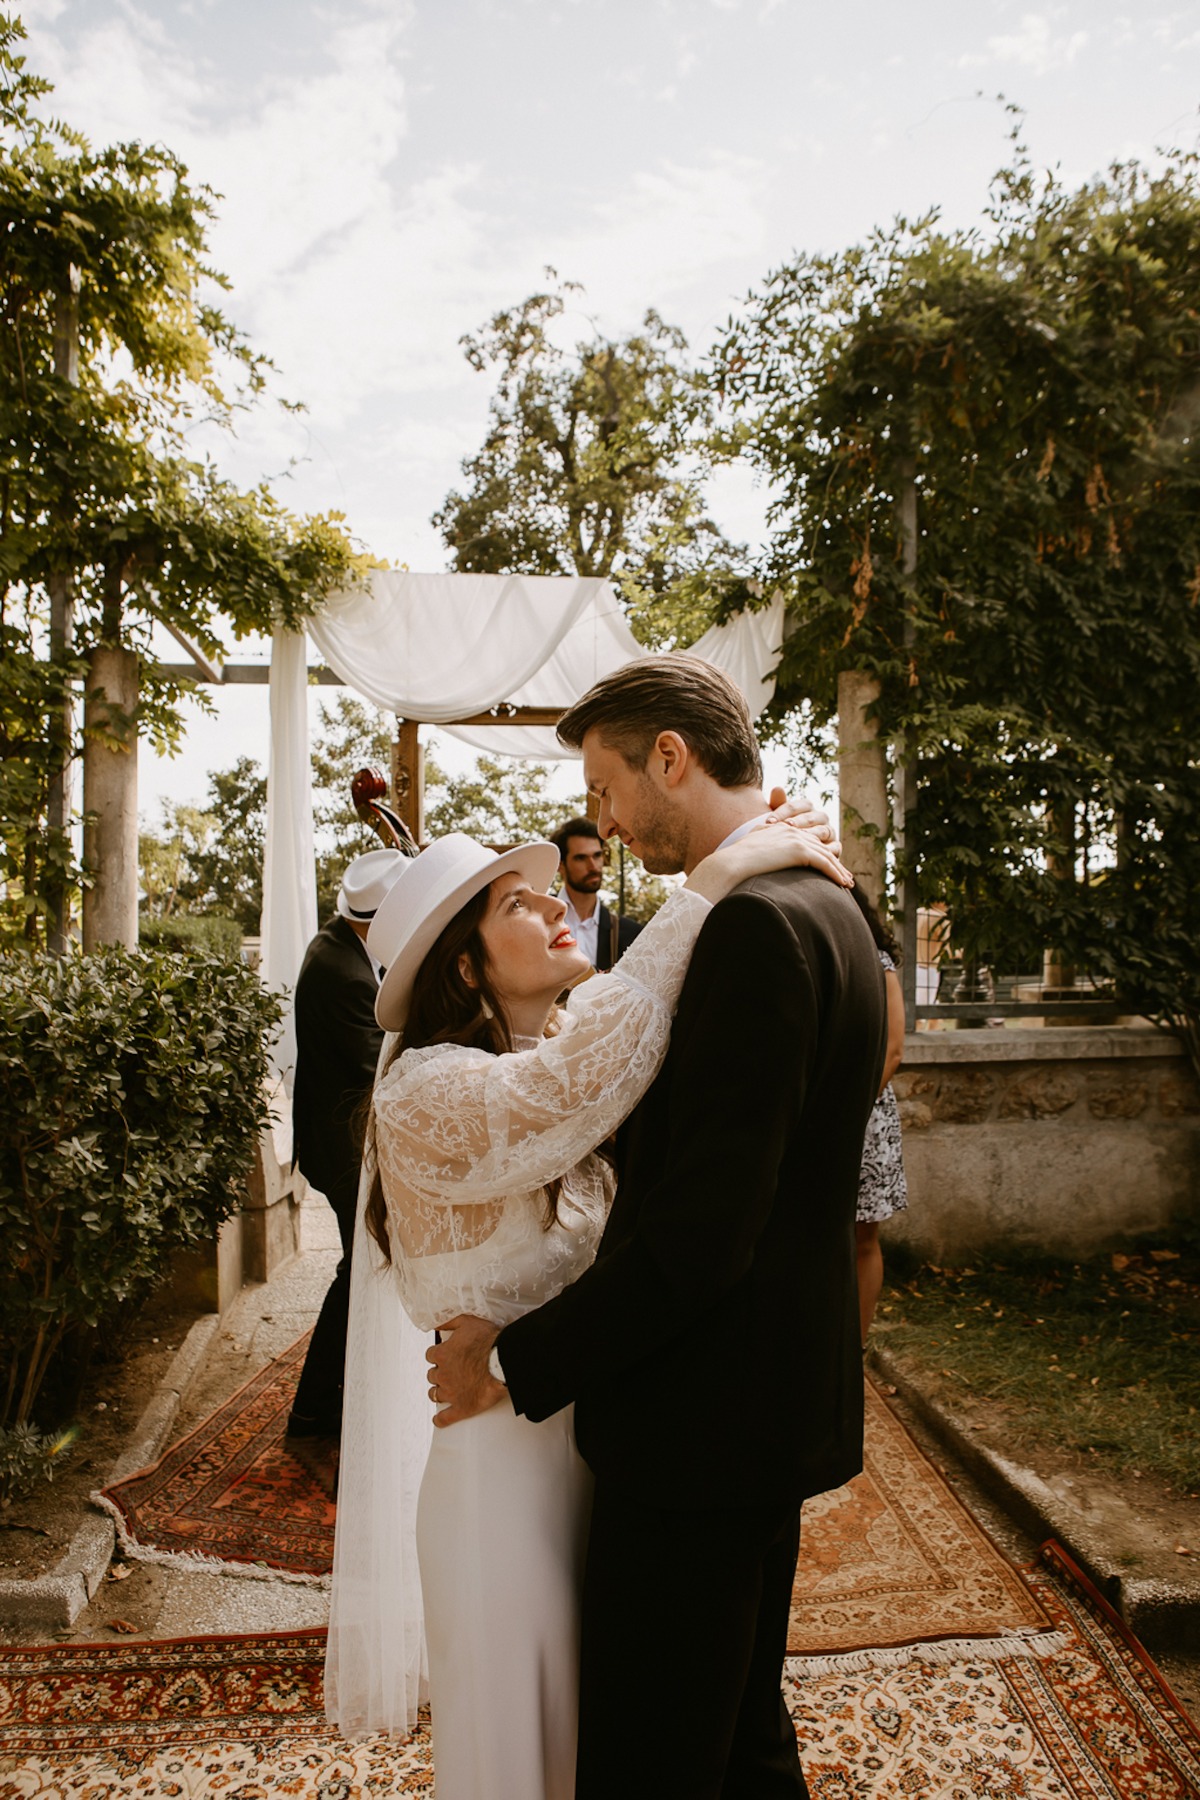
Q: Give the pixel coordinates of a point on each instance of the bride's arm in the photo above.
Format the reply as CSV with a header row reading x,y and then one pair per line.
x,y
463,1126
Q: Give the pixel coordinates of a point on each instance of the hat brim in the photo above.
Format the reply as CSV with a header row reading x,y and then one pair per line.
x,y
537,862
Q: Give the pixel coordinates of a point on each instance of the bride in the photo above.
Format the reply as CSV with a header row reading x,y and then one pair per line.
x,y
485,1190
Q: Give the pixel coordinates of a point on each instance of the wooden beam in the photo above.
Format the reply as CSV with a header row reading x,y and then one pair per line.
x,y
207,669
408,776
259,674
507,714
246,674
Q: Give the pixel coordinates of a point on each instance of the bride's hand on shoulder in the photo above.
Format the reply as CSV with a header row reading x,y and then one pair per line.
x,y
770,846
806,814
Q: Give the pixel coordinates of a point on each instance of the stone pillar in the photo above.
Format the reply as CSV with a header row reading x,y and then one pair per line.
x,y
110,838
862,782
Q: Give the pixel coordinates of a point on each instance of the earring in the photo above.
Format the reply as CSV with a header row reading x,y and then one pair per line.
x,y
485,1008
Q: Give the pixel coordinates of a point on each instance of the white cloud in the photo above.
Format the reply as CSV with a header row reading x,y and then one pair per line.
x,y
1035,46
666,227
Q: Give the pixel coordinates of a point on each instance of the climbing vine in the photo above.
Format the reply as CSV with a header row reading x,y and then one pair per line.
x,y
1035,385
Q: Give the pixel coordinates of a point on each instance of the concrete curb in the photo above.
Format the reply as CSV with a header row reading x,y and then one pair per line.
x,y
1162,1608
56,1600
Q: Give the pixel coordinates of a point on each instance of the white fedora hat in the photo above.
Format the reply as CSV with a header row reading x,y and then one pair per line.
x,y
425,896
366,883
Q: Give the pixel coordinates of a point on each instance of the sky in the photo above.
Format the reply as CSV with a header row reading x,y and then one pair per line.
x,y
393,172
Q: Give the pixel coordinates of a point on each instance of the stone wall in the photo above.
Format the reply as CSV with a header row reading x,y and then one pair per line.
x,y
1066,1140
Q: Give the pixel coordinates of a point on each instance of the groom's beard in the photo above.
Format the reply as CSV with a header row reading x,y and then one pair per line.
x,y
659,831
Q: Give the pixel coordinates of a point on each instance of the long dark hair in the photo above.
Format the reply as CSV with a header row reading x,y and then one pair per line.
x,y
881,931
447,1009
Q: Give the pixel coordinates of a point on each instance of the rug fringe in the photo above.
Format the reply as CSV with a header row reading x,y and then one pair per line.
x,y
195,1560
1023,1644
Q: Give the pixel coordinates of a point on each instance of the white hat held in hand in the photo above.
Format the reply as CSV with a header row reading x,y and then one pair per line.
x,y
366,883
425,895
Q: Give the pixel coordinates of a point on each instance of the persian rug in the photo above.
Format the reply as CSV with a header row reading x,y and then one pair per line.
x,y
894,1560
1095,1721
243,1716
228,1495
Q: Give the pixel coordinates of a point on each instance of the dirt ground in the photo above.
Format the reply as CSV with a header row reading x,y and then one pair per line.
x,y
125,1372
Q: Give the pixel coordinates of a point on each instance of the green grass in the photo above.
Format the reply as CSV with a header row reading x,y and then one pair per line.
x,y
1101,1357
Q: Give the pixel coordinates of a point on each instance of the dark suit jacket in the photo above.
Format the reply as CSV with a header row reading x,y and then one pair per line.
x,y
713,1348
337,1047
627,930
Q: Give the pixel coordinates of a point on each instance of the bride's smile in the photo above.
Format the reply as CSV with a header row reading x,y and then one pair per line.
x,y
531,955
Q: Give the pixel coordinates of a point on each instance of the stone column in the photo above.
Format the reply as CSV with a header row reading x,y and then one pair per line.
x,y
862,782
110,838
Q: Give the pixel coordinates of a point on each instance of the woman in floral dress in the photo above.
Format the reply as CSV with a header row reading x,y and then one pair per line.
x,y
882,1189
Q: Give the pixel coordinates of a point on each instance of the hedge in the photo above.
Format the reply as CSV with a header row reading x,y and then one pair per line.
x,y
131,1096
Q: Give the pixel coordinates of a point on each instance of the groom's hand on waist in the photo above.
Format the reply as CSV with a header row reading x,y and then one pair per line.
x,y
459,1382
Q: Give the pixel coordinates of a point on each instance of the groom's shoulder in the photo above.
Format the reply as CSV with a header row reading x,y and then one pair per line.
x,y
797,907
801,895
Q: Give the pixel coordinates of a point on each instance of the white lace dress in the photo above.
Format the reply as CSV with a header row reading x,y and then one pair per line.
x,y
466,1144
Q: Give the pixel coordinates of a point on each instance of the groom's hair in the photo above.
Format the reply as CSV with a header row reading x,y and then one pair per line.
x,y
673,692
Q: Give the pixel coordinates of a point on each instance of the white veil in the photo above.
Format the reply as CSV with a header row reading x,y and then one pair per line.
x,y
375,1665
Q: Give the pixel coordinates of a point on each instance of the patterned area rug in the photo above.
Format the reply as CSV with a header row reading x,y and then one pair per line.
x,y
1094,1722
894,1559
895,1545
243,1716
229,1494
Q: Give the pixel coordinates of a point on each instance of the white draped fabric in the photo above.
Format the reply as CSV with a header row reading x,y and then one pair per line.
x,y
436,648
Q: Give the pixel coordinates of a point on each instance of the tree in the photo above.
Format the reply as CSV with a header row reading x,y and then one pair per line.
x,y
167,858
111,353
593,464
352,735
500,802
1032,391
228,865
208,858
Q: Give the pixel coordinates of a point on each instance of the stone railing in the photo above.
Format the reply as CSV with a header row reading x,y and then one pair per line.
x,y
1066,1140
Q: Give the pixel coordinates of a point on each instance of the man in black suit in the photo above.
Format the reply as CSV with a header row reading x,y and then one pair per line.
x,y
602,935
712,1350
337,1048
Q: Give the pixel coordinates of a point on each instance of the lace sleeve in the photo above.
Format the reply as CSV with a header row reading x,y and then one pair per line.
x,y
461,1126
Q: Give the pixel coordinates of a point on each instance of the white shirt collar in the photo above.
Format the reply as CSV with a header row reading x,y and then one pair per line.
x,y
739,831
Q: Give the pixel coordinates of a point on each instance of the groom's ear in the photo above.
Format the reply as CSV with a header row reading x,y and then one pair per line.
x,y
670,759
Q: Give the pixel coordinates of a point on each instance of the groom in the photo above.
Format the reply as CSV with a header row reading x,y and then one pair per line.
x,y
712,1350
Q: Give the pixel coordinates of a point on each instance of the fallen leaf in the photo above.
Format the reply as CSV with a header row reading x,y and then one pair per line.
x,y
1165,1255
1119,1262
119,1572
120,1625
1182,1550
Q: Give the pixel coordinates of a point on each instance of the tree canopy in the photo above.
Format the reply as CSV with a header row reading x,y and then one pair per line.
x,y
113,356
1034,388
593,464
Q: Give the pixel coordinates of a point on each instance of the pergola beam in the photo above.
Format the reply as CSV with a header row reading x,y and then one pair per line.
x,y
241,674
259,674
